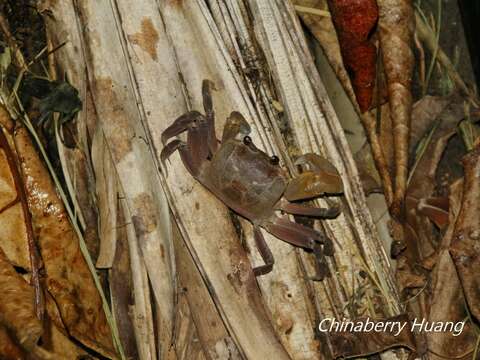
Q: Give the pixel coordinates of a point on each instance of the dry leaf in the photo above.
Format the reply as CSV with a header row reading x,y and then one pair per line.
x,y
68,278
464,248
396,27
446,295
354,22
324,31
9,349
17,311
121,290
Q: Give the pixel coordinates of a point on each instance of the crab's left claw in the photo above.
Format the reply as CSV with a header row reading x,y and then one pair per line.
x,y
181,124
321,178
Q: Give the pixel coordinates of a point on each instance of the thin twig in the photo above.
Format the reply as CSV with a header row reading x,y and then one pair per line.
x,y
312,11
421,61
426,35
437,40
4,26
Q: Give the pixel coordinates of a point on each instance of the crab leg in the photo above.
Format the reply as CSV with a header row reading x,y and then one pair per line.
x,y
265,252
197,142
297,209
207,87
322,268
187,157
298,235
181,124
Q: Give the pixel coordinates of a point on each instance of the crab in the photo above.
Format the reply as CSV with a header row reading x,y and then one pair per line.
x,y
250,182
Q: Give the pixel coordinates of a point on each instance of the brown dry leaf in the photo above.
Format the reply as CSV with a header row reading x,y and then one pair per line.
x,y
9,349
366,170
17,205
386,137
324,31
355,22
446,293
83,186
17,310
56,341
121,289
107,192
424,113
68,278
436,209
212,333
348,344
464,248
419,238
13,233
396,27
187,343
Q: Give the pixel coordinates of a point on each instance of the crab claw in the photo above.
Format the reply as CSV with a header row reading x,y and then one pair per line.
x,y
235,124
321,178
181,124
169,149
316,163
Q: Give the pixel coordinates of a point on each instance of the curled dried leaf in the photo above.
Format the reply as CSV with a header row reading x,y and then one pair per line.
x,y
354,22
446,292
17,310
396,27
9,349
68,278
464,248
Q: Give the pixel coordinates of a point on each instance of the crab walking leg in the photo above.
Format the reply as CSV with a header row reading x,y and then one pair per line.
x,y
207,87
181,124
197,142
321,264
186,156
295,234
265,252
305,237
299,235
297,209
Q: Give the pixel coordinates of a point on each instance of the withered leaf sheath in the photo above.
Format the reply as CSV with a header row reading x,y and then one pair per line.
x,y
396,27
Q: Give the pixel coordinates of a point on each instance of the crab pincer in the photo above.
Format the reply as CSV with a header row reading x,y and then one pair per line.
x,y
252,183
320,178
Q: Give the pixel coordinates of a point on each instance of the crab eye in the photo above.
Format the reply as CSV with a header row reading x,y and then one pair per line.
x,y
274,160
247,140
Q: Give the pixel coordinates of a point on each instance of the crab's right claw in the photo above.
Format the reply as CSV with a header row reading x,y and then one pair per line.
x,y
181,124
321,178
